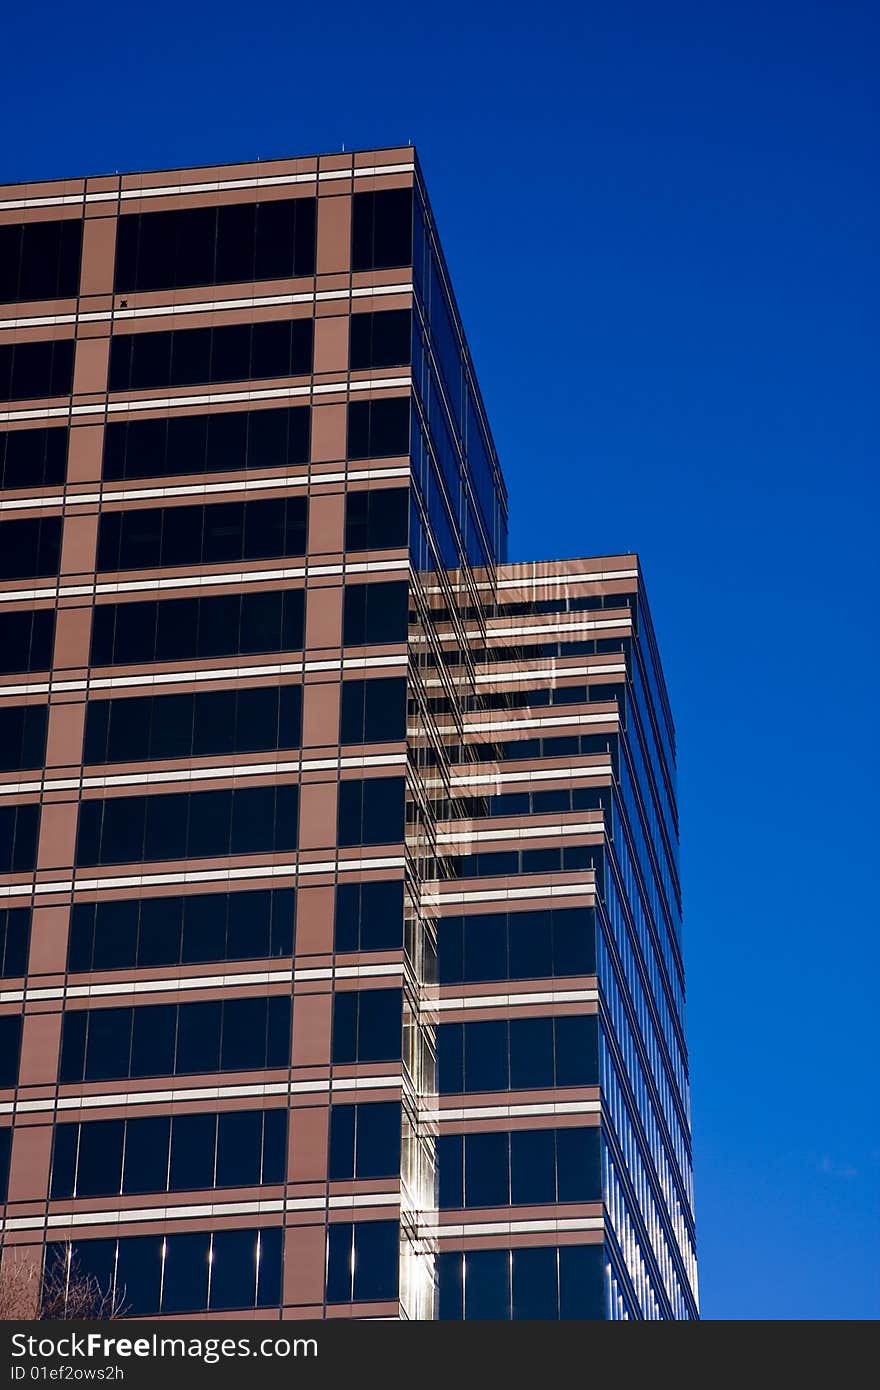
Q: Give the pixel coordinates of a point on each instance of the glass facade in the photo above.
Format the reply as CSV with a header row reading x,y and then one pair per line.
x,y
341,851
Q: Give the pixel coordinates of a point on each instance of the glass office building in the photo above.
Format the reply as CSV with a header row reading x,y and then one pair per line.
x,y
340,925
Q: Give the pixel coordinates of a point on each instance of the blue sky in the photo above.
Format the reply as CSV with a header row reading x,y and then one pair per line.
x,y
662,223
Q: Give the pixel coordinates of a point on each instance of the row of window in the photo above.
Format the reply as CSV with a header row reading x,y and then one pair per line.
x,y
225,244
187,825
203,825
175,1039
181,629
22,736
189,1272
535,1283
140,933
169,1153
258,924
219,443
530,945
200,443
526,1167
518,1054
237,624
222,533
239,1269
193,356
196,724
40,260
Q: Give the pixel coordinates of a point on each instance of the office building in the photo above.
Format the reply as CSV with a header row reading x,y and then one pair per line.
x,y
339,909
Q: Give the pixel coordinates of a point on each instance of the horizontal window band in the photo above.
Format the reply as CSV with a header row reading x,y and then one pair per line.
x,y
459,1114
268,393
303,478
213,186
184,983
163,678
585,888
110,1100
513,1227
123,1216
525,999
521,832
121,588
207,306
224,875
201,774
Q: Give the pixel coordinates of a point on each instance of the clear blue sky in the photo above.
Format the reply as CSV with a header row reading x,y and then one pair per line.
x,y
662,224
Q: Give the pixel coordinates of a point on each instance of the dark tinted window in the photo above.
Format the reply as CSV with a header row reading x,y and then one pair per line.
x,y
516,945
31,371
222,533
381,231
181,930
378,429
365,1141
375,613
19,827
10,1046
381,339
216,245
367,1025
518,1054
362,1261
189,356
170,1274
534,1282
369,916
30,548
33,458
524,1168
26,640
187,825
15,935
175,1039
377,519
201,628
40,260
371,812
239,1148
22,736
373,711
193,724
226,442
